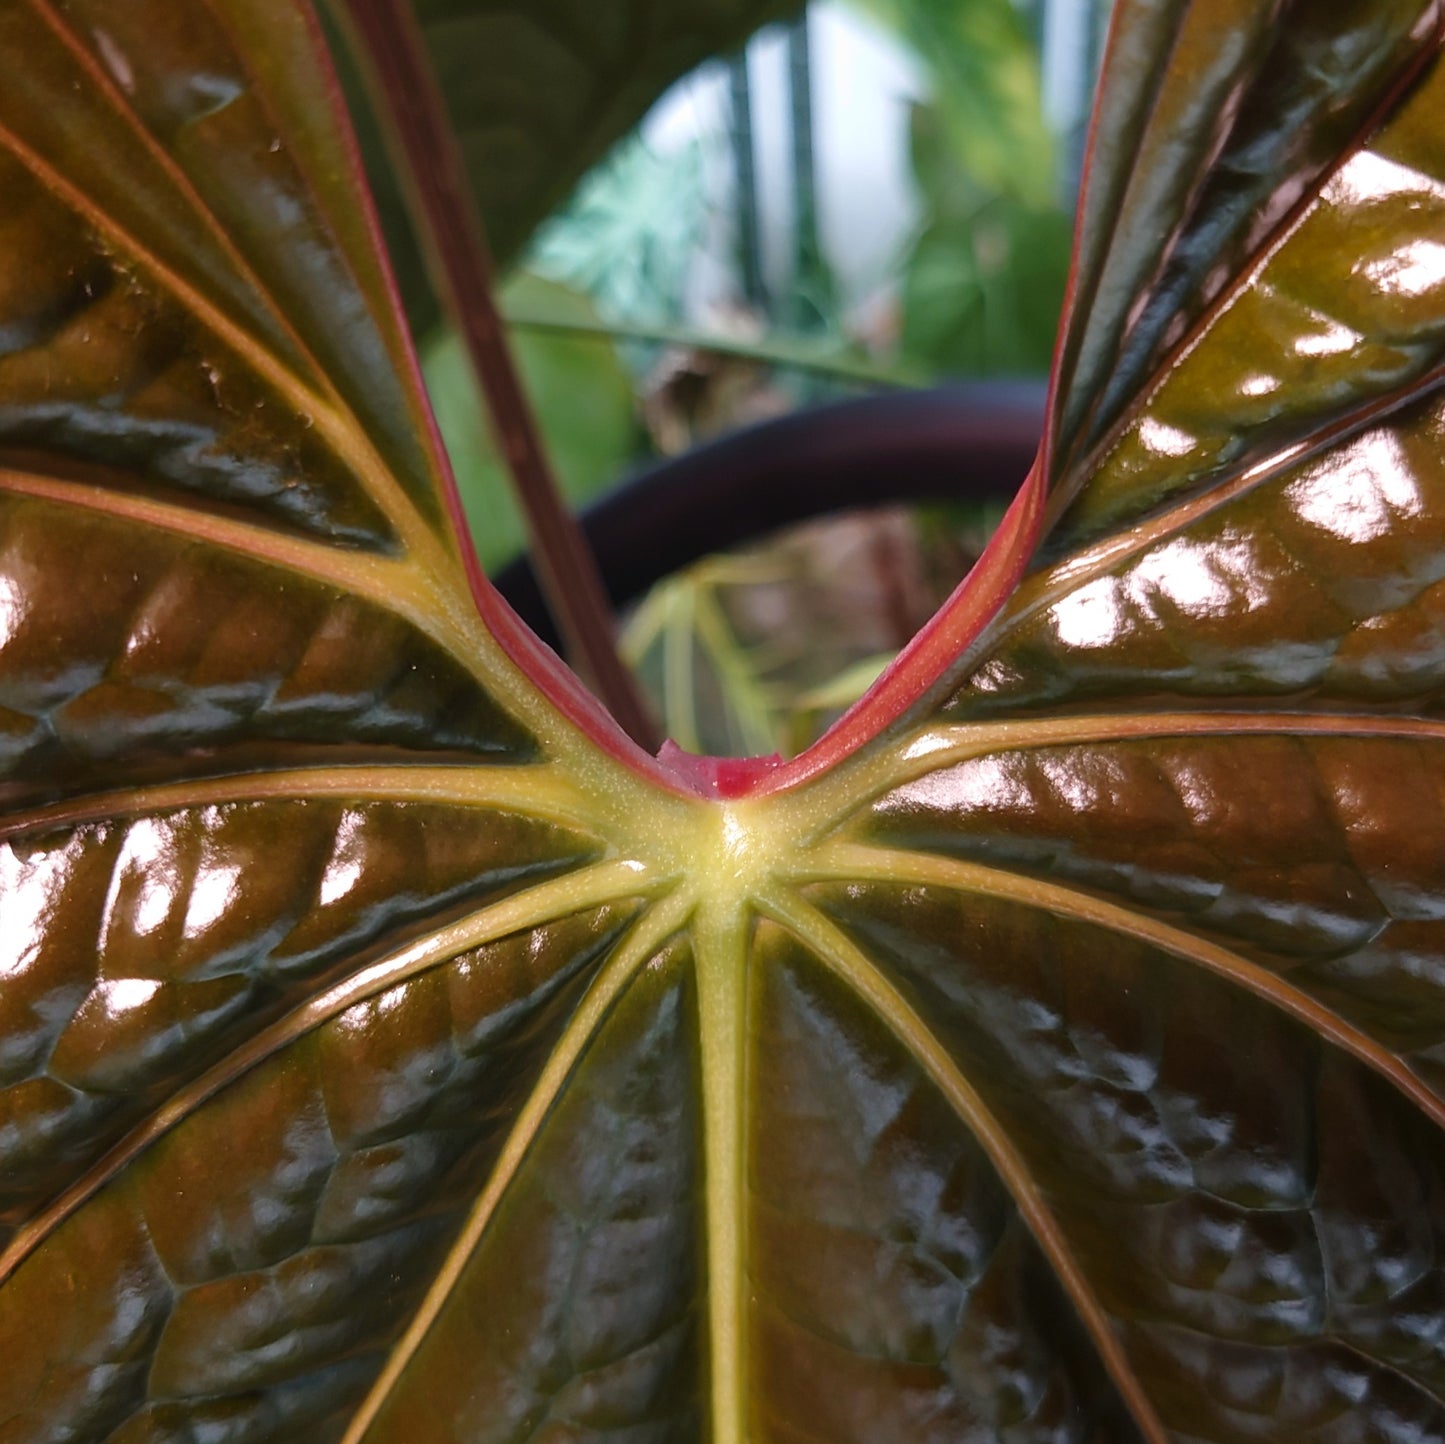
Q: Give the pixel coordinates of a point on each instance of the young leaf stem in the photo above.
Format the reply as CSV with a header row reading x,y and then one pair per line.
x,y
413,114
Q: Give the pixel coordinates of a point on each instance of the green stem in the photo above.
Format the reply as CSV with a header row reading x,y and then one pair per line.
x,y
787,355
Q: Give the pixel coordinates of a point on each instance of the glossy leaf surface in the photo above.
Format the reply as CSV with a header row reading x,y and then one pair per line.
x,y
387,1054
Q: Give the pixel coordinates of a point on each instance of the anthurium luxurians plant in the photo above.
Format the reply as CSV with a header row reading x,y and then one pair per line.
x,y
392,1051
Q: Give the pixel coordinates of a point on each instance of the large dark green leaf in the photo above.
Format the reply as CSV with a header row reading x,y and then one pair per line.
x,y
388,1054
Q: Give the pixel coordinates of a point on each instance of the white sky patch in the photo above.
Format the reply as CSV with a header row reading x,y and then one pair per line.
x,y
154,903
1199,792
1415,269
124,995
1332,339
1163,439
926,744
1368,176
147,857
1066,776
343,872
116,61
361,1018
1091,616
995,676
1359,491
214,890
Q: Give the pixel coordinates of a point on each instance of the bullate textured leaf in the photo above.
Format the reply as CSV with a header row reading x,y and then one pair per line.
x,y
392,1054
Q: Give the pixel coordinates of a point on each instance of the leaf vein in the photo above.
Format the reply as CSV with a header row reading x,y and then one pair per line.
x,y
338,425
646,936
858,863
848,963
586,887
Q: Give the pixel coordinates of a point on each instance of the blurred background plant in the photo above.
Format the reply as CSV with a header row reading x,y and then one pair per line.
x,y
868,194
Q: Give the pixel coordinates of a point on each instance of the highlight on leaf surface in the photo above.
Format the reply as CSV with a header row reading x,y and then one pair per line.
x,y
389,1052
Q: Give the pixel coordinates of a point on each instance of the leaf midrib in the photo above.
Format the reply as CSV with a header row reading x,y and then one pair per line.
x,y
537,790
647,935
848,963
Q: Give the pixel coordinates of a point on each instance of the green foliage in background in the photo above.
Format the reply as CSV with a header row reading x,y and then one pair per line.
x,y
539,91
581,390
979,289
985,282
983,69
628,235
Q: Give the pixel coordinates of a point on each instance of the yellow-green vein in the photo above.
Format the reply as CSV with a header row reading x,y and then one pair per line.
x,y
853,784
853,862
537,790
348,439
578,891
722,933
395,585
641,943
849,964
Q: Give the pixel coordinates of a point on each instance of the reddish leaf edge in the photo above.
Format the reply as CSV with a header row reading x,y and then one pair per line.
x,y
984,589
982,594
937,647
934,649
557,682
977,599
943,639
387,40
